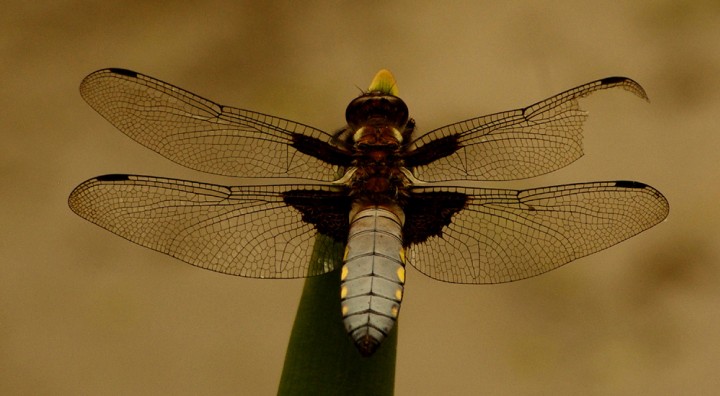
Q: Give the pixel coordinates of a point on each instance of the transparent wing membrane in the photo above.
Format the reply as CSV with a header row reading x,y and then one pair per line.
x,y
246,231
200,134
507,235
516,144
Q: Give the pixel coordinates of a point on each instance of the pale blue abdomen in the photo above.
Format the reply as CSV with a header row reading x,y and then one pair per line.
x,y
373,274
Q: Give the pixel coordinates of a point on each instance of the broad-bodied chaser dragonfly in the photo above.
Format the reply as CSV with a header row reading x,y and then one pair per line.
x,y
372,187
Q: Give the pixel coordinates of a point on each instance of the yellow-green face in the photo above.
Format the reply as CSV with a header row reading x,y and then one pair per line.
x,y
384,82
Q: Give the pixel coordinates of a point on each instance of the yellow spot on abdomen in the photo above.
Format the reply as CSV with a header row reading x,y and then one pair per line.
x,y
401,274
394,311
344,310
398,294
343,292
343,273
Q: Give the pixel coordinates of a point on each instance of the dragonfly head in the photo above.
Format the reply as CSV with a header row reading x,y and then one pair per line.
x,y
379,106
377,109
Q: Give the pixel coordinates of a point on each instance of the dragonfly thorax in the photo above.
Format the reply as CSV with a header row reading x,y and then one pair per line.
x,y
378,121
374,138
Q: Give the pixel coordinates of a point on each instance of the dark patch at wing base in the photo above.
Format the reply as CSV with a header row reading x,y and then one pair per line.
x,y
432,151
327,211
426,214
320,150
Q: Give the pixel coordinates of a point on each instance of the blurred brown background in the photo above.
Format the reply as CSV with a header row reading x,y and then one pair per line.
x,y
85,312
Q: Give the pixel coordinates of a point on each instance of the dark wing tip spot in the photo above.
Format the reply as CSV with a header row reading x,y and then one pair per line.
x,y
114,177
626,84
612,80
630,184
123,72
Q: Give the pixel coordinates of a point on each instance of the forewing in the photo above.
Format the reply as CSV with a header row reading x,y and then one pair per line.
x,y
516,144
247,231
505,235
203,135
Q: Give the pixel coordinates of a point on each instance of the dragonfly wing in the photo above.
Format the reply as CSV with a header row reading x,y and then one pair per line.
x,y
250,231
203,135
516,144
495,235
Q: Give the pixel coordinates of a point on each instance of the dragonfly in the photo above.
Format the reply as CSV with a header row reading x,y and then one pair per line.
x,y
377,188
